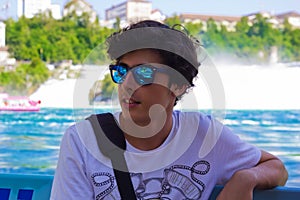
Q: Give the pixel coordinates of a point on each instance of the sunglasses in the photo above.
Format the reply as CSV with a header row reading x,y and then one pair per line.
x,y
143,74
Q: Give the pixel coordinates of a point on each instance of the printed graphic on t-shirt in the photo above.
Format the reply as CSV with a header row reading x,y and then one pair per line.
x,y
176,181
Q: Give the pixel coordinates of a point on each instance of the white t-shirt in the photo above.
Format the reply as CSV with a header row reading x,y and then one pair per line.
x,y
198,154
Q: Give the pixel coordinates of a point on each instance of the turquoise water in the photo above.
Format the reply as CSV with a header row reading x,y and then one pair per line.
x,y
29,142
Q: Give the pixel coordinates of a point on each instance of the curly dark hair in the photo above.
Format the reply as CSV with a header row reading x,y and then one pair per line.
x,y
176,48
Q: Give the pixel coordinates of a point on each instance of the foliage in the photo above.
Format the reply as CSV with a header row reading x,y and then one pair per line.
x,y
248,42
71,38
103,88
25,79
171,21
43,39
108,86
244,45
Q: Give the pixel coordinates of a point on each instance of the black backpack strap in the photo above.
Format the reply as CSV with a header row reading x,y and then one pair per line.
x,y
111,142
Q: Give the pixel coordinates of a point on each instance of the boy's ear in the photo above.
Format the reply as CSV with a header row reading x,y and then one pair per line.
x,y
178,90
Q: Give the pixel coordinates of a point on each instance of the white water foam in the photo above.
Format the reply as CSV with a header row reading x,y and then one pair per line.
x,y
255,87
56,93
246,87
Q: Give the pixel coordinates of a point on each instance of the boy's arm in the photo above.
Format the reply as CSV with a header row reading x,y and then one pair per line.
x,y
268,173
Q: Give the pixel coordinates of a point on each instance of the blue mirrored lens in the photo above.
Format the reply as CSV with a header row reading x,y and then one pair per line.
x,y
143,74
118,73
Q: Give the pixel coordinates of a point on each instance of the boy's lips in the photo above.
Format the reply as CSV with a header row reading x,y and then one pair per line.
x,y
130,102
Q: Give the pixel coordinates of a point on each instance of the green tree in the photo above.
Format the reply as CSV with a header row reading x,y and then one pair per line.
x,y
26,78
242,26
171,21
103,88
194,29
72,37
107,86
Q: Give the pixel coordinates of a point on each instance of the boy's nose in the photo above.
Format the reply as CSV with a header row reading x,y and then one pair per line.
x,y
129,83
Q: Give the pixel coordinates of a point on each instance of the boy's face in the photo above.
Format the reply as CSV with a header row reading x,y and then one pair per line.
x,y
136,100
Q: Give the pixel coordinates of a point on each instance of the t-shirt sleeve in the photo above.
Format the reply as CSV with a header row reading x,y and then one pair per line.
x,y
70,180
235,154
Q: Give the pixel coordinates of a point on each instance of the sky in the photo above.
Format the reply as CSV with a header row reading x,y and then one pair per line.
x,y
209,7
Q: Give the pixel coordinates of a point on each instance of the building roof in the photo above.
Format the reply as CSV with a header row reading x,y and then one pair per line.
x,y
288,14
3,49
115,6
70,3
156,10
256,13
146,1
125,2
207,17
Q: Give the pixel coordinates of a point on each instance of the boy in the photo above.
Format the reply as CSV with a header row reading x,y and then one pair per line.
x,y
167,152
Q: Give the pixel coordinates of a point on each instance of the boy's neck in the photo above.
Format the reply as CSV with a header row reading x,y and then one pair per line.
x,y
153,142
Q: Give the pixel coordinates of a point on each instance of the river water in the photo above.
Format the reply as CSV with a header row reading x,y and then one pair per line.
x,y
29,142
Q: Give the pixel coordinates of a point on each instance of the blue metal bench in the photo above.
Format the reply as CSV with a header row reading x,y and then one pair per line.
x,y
38,187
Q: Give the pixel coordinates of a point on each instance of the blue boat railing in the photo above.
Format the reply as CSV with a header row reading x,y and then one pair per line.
x,y
25,187
282,193
38,187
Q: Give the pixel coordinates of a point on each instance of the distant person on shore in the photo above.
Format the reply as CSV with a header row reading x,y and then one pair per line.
x,y
170,154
